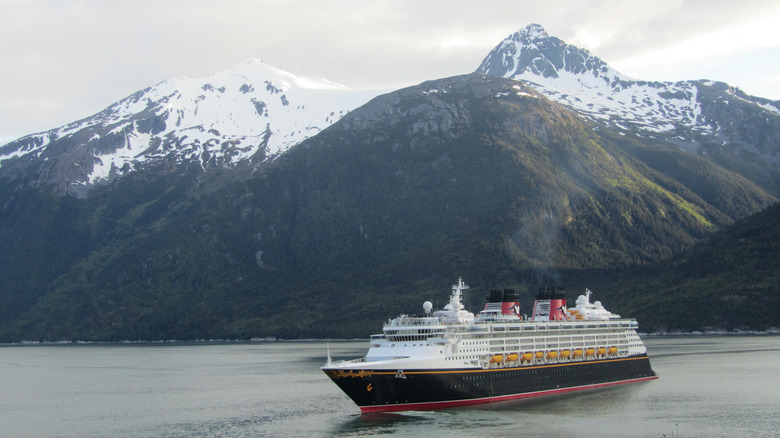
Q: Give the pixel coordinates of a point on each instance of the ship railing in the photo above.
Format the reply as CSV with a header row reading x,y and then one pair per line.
x,y
465,328
414,321
347,362
497,317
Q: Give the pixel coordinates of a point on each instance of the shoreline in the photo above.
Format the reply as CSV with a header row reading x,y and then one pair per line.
x,y
771,332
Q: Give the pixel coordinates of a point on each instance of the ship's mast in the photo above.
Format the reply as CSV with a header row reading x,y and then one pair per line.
x,y
456,302
455,311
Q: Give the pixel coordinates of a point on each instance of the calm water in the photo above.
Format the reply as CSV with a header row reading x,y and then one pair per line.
x,y
709,386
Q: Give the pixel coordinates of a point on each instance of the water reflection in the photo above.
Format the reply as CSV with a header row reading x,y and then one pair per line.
x,y
377,424
582,402
708,386
534,415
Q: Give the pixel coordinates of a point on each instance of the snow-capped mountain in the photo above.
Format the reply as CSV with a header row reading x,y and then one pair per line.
x,y
473,170
251,111
682,111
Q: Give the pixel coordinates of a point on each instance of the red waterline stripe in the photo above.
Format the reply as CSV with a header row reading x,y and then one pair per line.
x,y
429,406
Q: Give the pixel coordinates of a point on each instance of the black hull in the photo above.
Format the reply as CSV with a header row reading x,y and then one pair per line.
x,y
383,390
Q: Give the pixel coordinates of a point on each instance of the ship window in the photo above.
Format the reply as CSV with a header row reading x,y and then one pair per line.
x,y
529,327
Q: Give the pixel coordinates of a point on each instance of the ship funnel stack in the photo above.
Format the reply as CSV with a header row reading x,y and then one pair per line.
x,y
504,301
550,304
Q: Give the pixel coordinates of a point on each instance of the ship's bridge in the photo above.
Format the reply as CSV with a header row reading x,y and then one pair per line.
x,y
413,328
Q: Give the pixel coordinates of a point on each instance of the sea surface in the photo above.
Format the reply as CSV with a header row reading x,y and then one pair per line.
x,y
709,386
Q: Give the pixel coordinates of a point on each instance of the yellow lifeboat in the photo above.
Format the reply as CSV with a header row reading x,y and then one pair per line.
x,y
539,354
612,350
496,358
552,354
565,353
589,352
601,351
527,356
577,353
511,357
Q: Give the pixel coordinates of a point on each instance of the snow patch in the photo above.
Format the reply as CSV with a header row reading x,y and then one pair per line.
x,y
770,108
128,155
223,118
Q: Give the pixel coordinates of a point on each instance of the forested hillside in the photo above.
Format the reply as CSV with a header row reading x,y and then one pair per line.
x,y
467,176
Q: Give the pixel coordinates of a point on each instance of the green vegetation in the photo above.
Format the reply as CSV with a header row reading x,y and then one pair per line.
x,y
730,281
375,215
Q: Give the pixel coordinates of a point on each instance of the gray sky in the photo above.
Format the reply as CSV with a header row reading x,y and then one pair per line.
x,y
63,60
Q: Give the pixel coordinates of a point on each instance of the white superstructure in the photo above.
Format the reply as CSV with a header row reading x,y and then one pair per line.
x,y
498,337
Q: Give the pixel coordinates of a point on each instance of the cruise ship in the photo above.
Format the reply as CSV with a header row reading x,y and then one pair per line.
x,y
451,357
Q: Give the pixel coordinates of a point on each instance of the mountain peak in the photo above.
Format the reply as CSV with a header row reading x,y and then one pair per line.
x,y
575,78
251,112
572,76
530,33
254,67
532,52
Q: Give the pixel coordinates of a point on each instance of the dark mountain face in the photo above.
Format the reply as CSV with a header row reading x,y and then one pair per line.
x,y
190,222
727,282
534,170
473,175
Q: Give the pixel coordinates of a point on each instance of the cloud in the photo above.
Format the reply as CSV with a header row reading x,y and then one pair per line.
x,y
67,59
743,37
